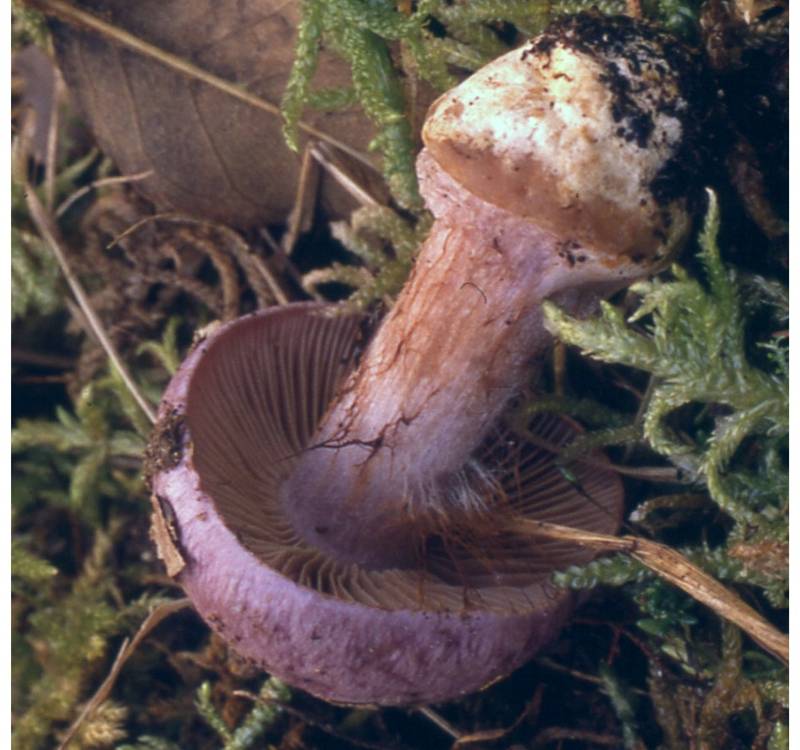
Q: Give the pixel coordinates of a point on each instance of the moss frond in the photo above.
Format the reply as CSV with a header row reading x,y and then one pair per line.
x,y
298,85
35,277
28,567
103,729
70,638
386,243
690,335
84,442
694,345
614,570
261,717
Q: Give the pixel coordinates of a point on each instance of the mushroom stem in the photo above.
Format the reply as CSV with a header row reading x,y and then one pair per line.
x,y
392,454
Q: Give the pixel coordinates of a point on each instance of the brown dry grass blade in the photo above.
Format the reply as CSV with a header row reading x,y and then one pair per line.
x,y
677,570
482,735
159,614
189,91
50,234
493,735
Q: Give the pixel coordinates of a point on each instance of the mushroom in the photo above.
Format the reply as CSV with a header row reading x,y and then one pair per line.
x,y
341,510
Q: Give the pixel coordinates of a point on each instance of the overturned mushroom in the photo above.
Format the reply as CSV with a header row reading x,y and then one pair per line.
x,y
349,525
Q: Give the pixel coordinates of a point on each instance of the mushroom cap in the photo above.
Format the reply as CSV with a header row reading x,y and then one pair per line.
x,y
589,131
239,411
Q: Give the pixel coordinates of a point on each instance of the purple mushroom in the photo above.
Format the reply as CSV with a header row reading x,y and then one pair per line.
x,y
341,510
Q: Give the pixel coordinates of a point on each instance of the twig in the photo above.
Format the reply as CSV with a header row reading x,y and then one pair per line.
x,y
644,402
650,473
556,667
318,151
233,236
51,159
69,13
41,379
290,267
316,156
747,178
68,202
305,197
258,262
440,722
136,226
666,474
676,569
126,651
50,234
226,270
37,359
532,709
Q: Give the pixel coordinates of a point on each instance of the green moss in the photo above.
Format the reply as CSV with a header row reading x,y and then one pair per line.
x,y
69,636
694,346
252,727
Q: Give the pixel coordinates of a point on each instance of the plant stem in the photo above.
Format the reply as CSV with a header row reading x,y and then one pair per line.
x,y
676,569
50,234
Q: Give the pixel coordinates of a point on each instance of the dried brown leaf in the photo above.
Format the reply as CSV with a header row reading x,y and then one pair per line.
x,y
212,155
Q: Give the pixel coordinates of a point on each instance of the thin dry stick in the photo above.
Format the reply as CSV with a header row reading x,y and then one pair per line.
x,y
644,403
305,197
233,236
26,357
440,722
65,205
318,151
126,651
532,709
483,735
317,155
136,226
650,473
69,13
556,667
289,267
247,252
51,162
677,570
50,234
226,270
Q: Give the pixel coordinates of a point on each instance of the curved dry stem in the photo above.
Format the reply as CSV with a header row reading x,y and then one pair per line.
x,y
50,234
241,250
70,200
673,567
127,649
51,161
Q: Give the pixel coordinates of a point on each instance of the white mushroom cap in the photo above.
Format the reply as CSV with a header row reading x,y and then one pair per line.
x,y
579,131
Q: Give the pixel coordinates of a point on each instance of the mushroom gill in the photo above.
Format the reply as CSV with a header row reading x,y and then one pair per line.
x,y
249,399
